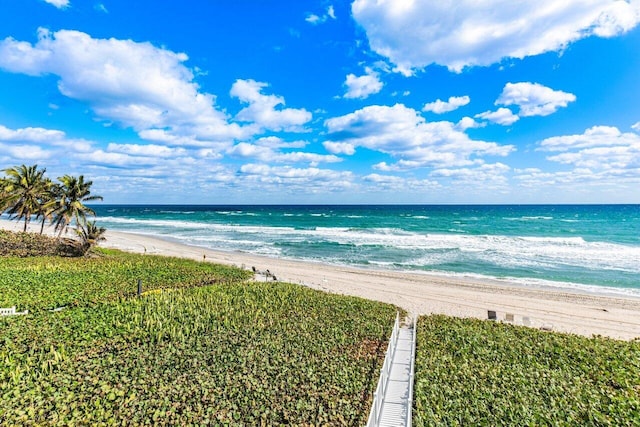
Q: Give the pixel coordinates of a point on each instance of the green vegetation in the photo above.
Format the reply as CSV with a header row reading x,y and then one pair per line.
x,y
228,353
25,192
471,372
42,283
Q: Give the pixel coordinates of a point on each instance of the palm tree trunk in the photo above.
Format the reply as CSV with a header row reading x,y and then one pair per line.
x,y
26,218
42,225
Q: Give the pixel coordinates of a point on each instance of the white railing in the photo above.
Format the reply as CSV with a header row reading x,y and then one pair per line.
x,y
11,311
378,395
414,333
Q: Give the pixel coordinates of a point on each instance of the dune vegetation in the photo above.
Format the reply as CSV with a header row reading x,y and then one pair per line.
x,y
202,345
474,372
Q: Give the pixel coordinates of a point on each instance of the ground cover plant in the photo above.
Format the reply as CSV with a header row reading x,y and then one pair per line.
x,y
43,283
229,353
472,372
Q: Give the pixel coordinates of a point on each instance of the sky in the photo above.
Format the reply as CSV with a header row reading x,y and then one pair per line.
x,y
326,102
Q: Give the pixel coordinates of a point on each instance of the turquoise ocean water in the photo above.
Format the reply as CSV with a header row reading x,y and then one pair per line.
x,y
594,248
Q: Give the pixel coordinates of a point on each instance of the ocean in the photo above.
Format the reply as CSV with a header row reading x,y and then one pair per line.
x,y
591,248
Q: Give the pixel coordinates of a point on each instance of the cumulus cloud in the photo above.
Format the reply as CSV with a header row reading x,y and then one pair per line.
x,y
310,179
339,148
534,99
415,34
146,150
36,144
133,84
502,116
405,135
47,138
440,107
468,123
60,4
269,154
266,110
599,148
362,86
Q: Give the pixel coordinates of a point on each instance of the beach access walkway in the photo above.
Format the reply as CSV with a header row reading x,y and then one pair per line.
x,y
393,398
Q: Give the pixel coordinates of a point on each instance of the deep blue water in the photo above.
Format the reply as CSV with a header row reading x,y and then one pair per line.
x,y
591,247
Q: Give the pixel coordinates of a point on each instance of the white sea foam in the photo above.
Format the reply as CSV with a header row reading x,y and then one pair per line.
x,y
396,247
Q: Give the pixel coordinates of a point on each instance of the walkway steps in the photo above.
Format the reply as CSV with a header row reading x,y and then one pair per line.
x,y
396,399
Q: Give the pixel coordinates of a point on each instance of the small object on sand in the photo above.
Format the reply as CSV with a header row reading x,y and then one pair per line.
x,y
526,321
508,317
492,315
253,267
546,327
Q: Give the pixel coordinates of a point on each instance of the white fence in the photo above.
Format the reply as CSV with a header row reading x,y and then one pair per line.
x,y
378,395
11,311
412,371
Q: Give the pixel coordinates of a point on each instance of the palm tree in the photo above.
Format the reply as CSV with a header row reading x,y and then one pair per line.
x,y
71,194
3,194
23,190
47,203
90,234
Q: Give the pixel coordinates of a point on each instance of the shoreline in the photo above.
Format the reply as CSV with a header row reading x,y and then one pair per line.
x,y
418,293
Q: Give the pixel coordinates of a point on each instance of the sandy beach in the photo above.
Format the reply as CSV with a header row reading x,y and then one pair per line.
x,y
571,312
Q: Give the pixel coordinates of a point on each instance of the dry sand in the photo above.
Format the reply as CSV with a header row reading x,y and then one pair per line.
x,y
572,312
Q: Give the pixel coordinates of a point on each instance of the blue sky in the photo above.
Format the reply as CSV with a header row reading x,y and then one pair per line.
x,y
364,101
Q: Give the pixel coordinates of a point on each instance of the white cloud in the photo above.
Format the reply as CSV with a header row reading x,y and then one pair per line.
x,y
314,19
636,127
490,178
133,84
30,134
145,150
404,134
101,8
331,12
339,148
268,154
502,116
44,137
534,99
399,183
60,4
21,152
35,144
310,179
276,142
439,106
416,33
363,86
263,109
601,149
468,123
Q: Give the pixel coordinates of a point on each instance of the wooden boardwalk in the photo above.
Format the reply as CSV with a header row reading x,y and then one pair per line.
x,y
395,396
